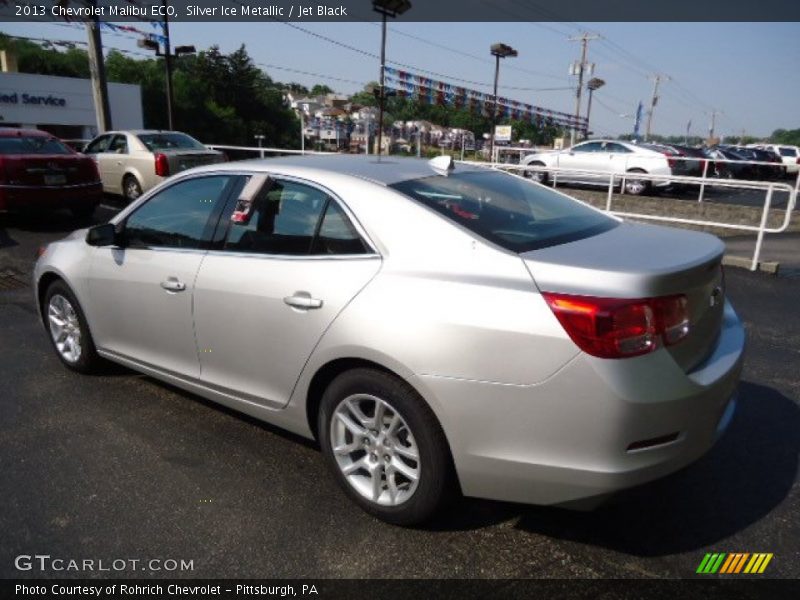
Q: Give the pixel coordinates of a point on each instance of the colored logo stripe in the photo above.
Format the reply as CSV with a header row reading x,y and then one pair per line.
x,y
723,563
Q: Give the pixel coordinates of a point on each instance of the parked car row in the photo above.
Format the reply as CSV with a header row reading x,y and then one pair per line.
x,y
592,162
38,171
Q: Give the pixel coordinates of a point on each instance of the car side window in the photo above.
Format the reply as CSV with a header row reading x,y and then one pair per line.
x,y
177,217
587,147
99,145
337,234
118,145
616,148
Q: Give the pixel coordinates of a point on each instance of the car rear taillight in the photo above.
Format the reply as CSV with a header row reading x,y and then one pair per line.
x,y
670,161
162,165
620,328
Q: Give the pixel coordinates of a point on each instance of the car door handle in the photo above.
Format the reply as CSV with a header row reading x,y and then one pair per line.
x,y
173,285
303,300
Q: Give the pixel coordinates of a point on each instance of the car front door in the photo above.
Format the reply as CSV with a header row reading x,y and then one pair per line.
x,y
580,157
265,296
141,292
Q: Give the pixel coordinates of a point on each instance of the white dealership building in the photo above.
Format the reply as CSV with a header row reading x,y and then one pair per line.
x,y
64,106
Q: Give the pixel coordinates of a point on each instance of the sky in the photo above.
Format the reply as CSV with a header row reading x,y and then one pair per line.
x,y
748,72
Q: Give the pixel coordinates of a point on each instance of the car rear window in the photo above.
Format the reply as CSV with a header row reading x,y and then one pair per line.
x,y
169,141
32,145
509,211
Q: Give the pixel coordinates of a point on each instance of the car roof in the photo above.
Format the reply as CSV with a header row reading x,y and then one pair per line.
x,y
386,171
16,131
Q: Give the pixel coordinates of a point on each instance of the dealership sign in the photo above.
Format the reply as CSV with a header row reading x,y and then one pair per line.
x,y
31,99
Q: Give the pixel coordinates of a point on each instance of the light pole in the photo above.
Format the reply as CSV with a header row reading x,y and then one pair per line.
x,y
168,55
387,8
498,51
260,139
595,83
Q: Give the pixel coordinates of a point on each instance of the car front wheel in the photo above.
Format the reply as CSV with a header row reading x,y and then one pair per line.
x,y
537,176
385,446
633,186
68,330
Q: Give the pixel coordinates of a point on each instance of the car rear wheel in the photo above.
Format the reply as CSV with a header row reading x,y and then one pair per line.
x,y
131,188
636,187
68,330
537,176
385,446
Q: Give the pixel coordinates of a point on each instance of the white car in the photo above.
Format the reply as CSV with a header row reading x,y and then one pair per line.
x,y
132,162
602,157
790,155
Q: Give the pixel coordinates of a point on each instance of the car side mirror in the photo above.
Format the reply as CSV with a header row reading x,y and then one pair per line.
x,y
102,235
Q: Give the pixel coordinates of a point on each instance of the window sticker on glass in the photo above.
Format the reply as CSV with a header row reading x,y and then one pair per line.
x,y
244,204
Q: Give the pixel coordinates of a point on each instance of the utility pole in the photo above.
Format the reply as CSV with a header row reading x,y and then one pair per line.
x,y
713,124
98,75
578,69
653,101
168,65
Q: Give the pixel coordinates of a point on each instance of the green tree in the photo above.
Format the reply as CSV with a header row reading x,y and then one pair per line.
x,y
320,90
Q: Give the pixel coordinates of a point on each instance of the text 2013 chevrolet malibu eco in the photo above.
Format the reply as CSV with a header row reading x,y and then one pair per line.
x,y
436,327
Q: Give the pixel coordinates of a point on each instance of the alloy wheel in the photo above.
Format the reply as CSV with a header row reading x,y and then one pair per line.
x,y
65,328
375,449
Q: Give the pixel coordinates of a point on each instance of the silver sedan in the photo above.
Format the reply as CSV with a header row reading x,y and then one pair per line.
x,y
438,328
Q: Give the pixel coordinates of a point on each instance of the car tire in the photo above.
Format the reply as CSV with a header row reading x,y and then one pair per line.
x,y
68,330
374,462
537,176
83,212
131,188
636,187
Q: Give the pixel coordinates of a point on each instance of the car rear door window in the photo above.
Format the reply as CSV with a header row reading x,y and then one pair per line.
x,y
337,234
119,144
99,145
290,218
180,216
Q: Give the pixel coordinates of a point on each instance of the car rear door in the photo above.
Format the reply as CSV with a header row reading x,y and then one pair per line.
x,y
268,291
97,151
140,293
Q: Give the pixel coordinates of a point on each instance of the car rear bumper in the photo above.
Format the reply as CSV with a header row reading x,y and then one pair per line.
x,y
595,427
36,197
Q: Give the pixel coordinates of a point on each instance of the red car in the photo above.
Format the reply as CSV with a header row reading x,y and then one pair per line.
x,y
40,172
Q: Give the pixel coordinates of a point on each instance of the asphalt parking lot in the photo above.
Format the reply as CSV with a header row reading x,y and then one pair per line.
x,y
120,465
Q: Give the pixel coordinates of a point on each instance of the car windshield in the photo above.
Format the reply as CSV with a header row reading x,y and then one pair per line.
x,y
169,141
509,211
32,144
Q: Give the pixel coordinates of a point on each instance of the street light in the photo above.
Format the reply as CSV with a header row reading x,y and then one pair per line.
x,y
387,8
498,51
595,83
149,44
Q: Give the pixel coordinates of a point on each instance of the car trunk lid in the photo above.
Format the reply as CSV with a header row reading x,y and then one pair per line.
x,y
47,169
639,261
181,160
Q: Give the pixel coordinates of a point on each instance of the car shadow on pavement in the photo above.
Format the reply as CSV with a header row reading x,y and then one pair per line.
x,y
53,222
741,480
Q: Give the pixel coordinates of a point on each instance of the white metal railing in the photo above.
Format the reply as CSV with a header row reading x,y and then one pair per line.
x,y
615,179
262,152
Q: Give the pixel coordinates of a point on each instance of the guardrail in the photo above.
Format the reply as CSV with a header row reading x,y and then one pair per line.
x,y
614,179
262,152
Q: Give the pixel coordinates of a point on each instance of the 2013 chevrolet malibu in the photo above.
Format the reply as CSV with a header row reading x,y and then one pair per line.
x,y
436,327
